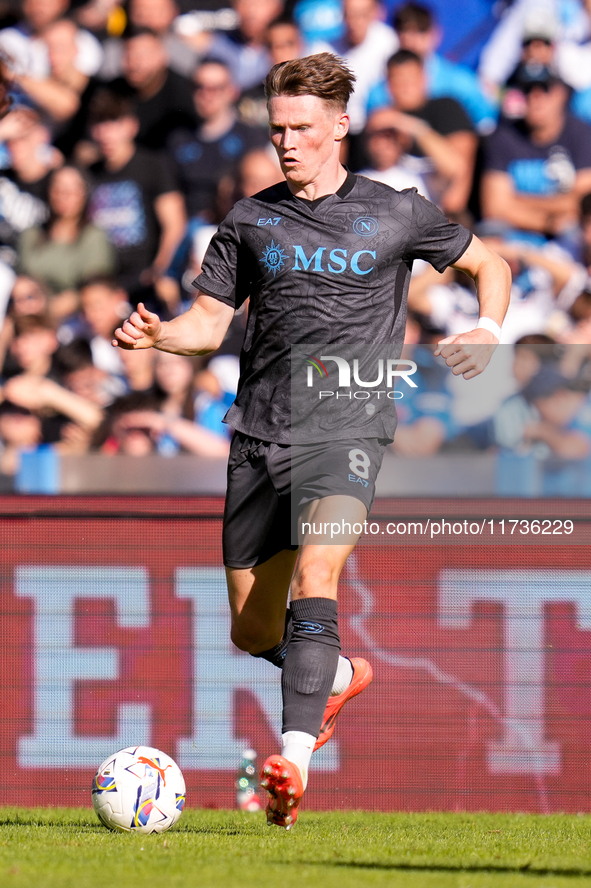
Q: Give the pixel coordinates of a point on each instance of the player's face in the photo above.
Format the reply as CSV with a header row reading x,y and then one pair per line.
x,y
306,132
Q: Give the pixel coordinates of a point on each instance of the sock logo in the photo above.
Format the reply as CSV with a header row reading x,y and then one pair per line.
x,y
308,626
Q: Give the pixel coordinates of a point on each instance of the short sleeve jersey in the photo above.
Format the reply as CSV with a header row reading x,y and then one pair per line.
x,y
331,271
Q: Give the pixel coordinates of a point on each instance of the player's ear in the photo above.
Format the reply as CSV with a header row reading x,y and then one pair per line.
x,y
342,127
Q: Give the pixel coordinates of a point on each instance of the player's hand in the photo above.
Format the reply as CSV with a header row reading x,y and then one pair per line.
x,y
141,330
467,353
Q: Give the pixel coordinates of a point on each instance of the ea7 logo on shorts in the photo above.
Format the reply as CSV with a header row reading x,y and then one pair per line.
x,y
358,481
274,220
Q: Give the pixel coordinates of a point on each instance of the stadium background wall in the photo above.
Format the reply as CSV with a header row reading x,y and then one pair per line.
x,y
114,631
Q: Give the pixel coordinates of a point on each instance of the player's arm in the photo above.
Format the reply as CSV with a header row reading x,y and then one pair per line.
x,y
469,353
198,331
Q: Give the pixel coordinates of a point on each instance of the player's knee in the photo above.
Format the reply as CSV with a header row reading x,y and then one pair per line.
x,y
315,577
252,640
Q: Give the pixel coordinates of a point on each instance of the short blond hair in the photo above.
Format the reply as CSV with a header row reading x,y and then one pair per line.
x,y
323,75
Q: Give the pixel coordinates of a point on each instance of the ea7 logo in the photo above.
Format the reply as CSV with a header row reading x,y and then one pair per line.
x,y
274,220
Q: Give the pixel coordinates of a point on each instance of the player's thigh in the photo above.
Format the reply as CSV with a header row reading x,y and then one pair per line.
x,y
331,528
335,520
258,601
333,489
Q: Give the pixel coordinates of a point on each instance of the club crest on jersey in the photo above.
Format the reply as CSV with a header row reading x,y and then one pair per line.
x,y
366,226
273,258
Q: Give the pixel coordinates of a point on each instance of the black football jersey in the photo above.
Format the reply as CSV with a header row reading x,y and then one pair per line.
x,y
321,273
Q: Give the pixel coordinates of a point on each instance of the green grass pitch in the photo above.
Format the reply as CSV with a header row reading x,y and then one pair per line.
x,y
57,848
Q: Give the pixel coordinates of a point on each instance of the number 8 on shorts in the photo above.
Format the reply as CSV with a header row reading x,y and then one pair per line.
x,y
359,463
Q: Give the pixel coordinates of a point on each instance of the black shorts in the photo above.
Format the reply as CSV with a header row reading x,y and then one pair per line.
x,y
269,484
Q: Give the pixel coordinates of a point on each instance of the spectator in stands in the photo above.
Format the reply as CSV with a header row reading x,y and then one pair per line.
x,y
418,32
257,170
284,41
28,297
579,332
216,388
158,17
174,376
67,249
24,47
163,98
174,426
34,383
76,87
441,132
546,283
135,198
57,95
536,170
78,373
541,47
385,150
33,347
541,419
244,50
135,427
122,433
103,18
104,304
537,49
366,46
138,369
563,23
20,429
67,419
23,188
203,156
529,354
171,434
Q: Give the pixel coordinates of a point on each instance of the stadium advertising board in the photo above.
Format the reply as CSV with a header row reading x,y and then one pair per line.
x,y
115,632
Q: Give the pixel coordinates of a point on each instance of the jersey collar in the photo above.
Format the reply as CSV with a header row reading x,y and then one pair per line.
x,y
342,192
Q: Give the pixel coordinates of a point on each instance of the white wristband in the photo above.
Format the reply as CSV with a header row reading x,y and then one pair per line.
x,y
490,325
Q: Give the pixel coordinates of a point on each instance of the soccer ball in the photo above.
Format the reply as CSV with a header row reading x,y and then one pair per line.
x,y
138,789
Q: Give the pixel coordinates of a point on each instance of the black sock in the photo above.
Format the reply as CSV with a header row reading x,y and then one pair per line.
x,y
310,664
276,655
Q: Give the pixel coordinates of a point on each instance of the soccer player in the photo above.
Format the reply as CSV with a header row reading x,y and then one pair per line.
x,y
324,256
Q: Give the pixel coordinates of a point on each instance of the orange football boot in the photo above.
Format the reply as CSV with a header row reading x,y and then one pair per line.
x,y
362,676
283,781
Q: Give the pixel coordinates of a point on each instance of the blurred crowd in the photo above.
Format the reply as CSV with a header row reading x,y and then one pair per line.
x,y
135,126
